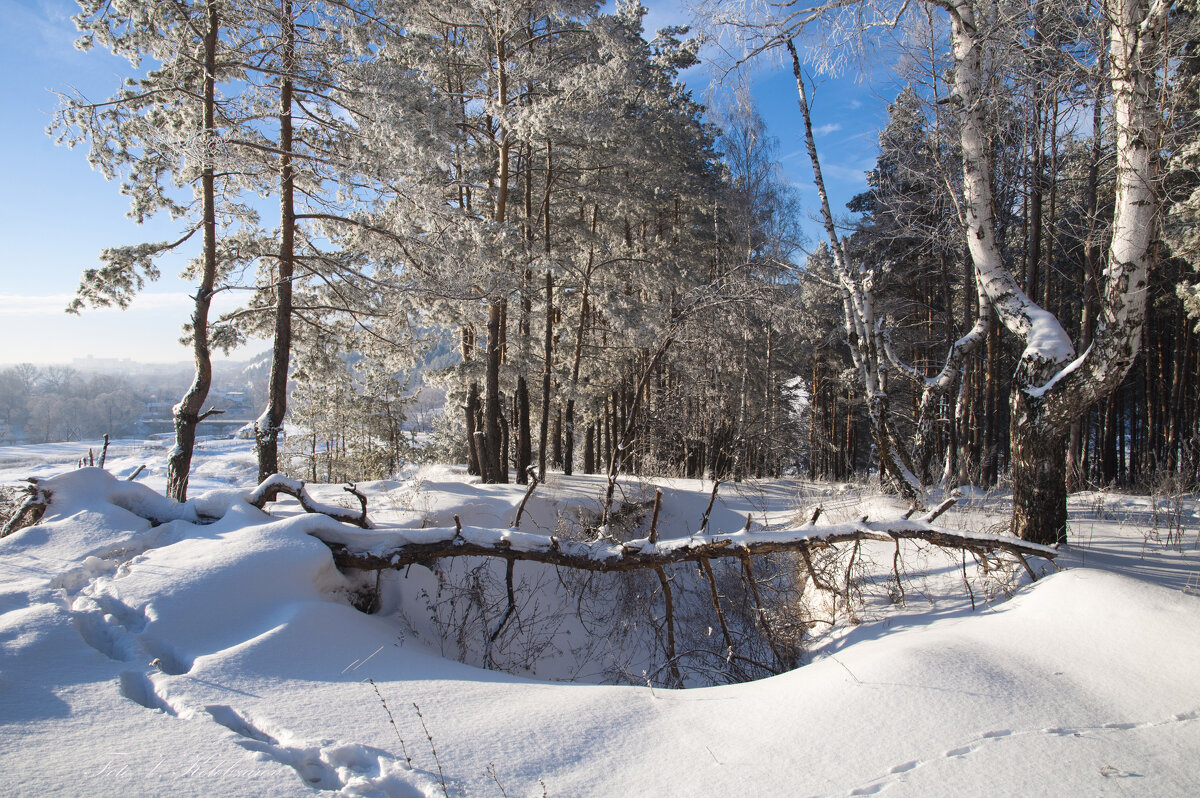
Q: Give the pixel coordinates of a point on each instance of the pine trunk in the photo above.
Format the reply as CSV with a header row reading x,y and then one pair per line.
x,y
589,450
548,349
569,438
472,411
186,414
524,436
492,468
270,424
556,440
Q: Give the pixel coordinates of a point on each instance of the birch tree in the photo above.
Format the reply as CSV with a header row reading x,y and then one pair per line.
x,y
909,226
864,328
1052,385
1182,225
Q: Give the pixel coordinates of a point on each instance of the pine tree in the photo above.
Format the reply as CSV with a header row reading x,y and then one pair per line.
x,y
166,135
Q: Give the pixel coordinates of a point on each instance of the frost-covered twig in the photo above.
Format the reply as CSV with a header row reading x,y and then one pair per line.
x,y
762,613
436,759
392,720
712,498
668,599
533,483
508,613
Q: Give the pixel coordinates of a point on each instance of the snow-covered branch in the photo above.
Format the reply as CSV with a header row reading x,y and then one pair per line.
x,y
278,483
393,549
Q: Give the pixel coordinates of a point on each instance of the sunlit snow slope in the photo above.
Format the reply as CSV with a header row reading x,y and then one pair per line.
x,y
223,659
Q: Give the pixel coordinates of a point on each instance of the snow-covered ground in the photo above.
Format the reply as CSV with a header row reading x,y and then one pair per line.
x,y
224,658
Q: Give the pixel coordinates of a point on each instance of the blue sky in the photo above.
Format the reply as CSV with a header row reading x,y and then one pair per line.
x,y
56,214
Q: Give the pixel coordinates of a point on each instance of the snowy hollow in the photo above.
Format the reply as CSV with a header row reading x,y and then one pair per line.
x,y
225,656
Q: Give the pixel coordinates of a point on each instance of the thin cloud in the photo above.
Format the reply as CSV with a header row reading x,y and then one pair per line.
x,y
14,305
853,175
56,304
825,130
46,31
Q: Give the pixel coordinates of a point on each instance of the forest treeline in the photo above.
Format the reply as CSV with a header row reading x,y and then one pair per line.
x,y
1052,150
621,268
57,403
1045,153
616,271
49,403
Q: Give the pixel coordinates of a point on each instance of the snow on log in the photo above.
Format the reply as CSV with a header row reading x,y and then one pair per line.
x,y
30,511
278,483
394,549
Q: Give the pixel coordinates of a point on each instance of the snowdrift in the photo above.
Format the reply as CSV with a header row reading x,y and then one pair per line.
x,y
213,650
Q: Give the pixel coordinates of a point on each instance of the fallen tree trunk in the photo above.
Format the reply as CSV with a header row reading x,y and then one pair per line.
x,y
397,549
378,549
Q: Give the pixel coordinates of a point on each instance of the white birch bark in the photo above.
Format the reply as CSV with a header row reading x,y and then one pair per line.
x,y
1048,364
864,332
1052,387
1047,345
1137,27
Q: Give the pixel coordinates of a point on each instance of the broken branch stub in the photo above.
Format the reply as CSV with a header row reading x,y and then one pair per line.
x,y
30,511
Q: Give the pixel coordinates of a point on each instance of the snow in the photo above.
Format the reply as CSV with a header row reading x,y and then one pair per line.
x,y
1045,339
194,656
1038,392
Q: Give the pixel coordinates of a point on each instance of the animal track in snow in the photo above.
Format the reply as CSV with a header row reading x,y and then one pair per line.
x,y
138,687
896,773
118,631
107,624
327,765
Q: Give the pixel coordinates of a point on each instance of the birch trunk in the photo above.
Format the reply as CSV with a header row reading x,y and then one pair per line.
x,y
1052,387
864,335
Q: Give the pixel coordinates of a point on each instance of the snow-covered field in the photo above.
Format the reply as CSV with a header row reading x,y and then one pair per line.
x,y
224,658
